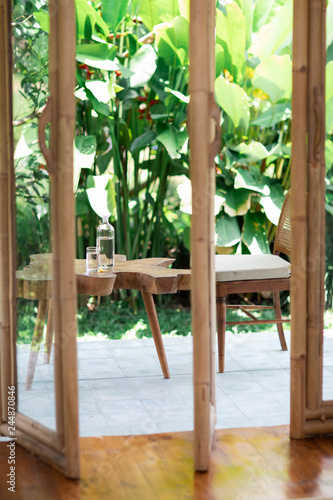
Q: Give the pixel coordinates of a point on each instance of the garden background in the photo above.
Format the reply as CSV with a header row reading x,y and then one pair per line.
x,y
131,148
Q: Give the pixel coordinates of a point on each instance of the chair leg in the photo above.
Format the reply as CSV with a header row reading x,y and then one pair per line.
x,y
49,335
277,307
36,341
221,311
155,328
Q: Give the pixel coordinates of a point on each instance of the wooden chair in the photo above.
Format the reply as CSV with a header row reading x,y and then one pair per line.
x,y
254,273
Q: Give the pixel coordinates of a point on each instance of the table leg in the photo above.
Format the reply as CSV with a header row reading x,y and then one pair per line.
x,y
48,335
155,328
36,341
221,316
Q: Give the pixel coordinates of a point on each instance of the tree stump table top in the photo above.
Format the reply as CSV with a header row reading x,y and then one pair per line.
x,y
150,275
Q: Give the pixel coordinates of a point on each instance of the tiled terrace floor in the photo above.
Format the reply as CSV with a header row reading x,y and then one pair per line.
x,y
122,390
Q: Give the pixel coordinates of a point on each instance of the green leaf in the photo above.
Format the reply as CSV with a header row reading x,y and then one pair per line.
x,y
153,12
81,203
272,204
87,18
275,36
237,201
328,154
143,141
43,19
233,100
255,151
231,35
97,55
219,60
178,32
173,140
184,8
274,115
99,89
227,232
264,12
28,143
84,155
179,95
252,180
114,12
143,65
86,144
329,97
273,76
247,8
102,194
329,23
254,233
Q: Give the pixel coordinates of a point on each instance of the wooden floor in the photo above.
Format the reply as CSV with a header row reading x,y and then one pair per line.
x,y
246,464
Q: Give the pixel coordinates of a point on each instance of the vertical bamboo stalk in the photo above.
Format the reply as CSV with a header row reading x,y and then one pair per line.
x,y
62,81
316,204
299,220
323,199
53,104
199,116
211,217
6,196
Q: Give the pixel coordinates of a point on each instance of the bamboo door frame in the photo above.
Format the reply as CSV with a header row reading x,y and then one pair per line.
x,y
310,415
204,145
61,447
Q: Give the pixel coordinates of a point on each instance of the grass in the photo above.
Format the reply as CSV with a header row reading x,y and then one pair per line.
x,y
118,320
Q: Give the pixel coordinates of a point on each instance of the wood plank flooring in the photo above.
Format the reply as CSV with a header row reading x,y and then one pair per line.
x,y
246,464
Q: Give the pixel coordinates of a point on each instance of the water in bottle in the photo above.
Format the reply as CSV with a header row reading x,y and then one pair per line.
x,y
105,244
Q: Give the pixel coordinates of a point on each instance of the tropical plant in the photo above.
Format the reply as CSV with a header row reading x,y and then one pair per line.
x,y
131,145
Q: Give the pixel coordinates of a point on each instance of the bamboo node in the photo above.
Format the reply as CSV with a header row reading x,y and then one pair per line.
x,y
323,418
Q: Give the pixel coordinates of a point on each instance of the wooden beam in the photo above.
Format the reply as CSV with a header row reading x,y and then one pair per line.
x,y
298,348
199,118
62,82
316,203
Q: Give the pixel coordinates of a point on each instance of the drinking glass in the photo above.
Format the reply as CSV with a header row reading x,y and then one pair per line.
x,y
92,259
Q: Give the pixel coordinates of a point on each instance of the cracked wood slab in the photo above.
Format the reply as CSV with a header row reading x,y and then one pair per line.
x,y
149,275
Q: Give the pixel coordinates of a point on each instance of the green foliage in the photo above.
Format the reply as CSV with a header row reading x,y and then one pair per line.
x,y
132,148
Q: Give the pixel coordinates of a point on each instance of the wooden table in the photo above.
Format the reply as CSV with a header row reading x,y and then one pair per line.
x,y
150,276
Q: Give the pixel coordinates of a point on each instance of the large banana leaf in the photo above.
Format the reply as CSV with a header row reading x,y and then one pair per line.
x,y
272,204
153,12
231,35
264,12
227,232
254,233
97,55
143,65
102,194
113,12
276,35
274,115
274,77
233,100
84,155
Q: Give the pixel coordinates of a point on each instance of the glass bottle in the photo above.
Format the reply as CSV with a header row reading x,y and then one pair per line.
x,y
105,244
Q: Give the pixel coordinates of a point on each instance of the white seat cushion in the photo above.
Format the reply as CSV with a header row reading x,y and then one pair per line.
x,y
250,267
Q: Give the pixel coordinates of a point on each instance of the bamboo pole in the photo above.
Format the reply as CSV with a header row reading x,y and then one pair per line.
x,y
316,204
62,82
37,447
52,109
313,427
7,329
38,432
200,135
215,130
299,220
